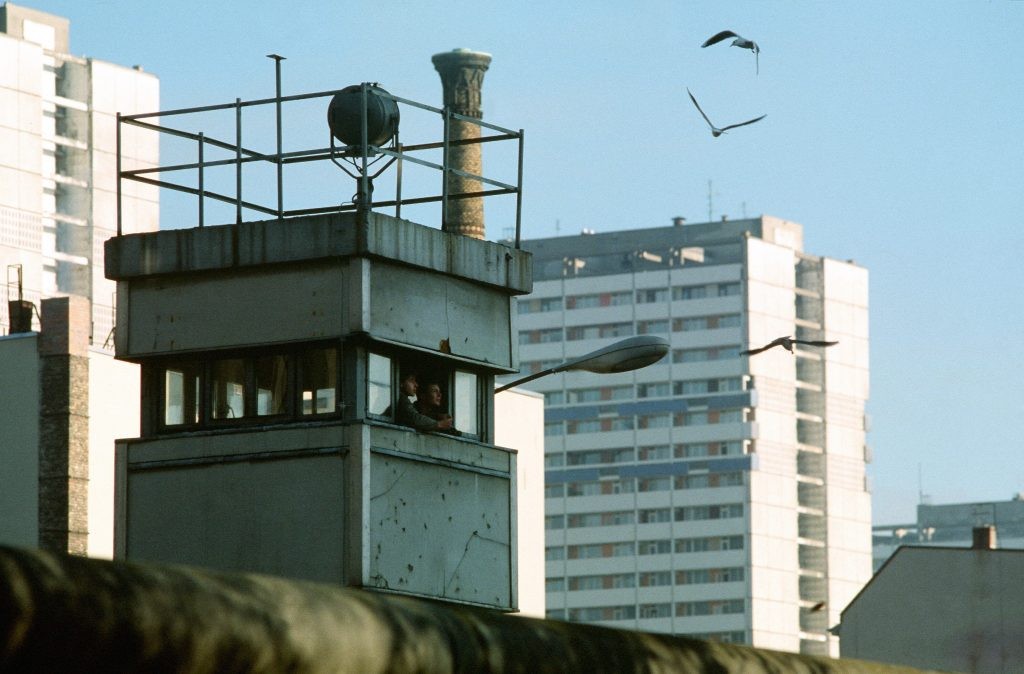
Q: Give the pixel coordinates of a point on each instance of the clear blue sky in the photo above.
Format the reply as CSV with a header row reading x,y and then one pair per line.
x,y
895,135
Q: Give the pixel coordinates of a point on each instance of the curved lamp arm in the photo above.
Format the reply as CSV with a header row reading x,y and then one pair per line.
x,y
632,353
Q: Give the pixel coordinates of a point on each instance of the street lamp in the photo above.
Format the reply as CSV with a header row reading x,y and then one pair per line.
x,y
629,354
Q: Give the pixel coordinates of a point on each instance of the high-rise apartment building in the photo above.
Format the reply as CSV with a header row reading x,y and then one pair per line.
x,y
713,493
63,397
58,163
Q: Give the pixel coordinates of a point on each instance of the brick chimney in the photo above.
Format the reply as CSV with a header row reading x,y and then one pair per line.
x,y
462,76
984,538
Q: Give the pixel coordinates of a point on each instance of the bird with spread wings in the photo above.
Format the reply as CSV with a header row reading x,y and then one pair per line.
x,y
740,41
786,343
715,131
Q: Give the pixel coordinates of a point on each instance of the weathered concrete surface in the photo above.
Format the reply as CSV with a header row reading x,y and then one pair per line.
x,y
309,238
62,613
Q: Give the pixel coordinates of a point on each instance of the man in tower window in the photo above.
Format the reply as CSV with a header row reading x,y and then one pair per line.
x,y
405,408
431,405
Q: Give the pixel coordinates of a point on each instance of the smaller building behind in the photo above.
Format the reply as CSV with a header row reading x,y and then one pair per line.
x,y
949,525
955,609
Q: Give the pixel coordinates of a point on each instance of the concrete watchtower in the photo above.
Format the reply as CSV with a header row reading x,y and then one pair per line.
x,y
272,354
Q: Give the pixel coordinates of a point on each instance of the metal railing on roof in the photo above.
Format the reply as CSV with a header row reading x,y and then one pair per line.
x,y
358,155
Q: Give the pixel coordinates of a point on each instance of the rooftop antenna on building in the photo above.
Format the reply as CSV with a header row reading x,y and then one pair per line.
x,y
922,498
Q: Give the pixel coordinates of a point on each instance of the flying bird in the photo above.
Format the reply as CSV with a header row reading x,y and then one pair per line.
x,y
715,131
787,344
741,42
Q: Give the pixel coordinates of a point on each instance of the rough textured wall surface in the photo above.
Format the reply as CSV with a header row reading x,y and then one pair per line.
x,y
64,613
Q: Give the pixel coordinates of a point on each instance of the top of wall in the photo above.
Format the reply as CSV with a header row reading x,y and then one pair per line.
x,y
337,235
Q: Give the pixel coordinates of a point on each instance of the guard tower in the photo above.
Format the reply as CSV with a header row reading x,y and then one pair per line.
x,y
272,350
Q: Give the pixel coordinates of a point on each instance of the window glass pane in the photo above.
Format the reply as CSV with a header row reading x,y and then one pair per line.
x,y
378,384
271,385
466,403
228,385
319,381
181,394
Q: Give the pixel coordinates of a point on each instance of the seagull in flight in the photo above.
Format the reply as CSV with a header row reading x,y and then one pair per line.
x,y
740,41
787,344
715,131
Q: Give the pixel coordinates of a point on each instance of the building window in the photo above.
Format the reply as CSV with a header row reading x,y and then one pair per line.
x,y
709,512
655,578
554,398
660,420
661,547
554,491
659,390
697,450
705,386
591,395
600,550
727,289
709,544
554,460
182,387
700,576
318,381
227,379
709,480
223,390
652,327
554,554
653,453
597,300
467,403
653,515
602,613
554,522
578,332
553,428
689,292
554,585
655,610
540,305
545,336
652,296
713,607
593,456
378,384
271,374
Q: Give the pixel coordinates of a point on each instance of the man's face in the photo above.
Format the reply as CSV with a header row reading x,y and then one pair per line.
x,y
410,385
434,394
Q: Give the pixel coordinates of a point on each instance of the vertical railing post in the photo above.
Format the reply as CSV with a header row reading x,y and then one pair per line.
x,y
519,189
444,169
280,165
364,181
118,171
238,161
201,179
398,179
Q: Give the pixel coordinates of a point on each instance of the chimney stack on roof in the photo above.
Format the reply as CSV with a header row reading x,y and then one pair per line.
x,y
984,538
462,76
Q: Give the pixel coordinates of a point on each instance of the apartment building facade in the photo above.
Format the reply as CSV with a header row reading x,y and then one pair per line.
x,y
711,494
58,164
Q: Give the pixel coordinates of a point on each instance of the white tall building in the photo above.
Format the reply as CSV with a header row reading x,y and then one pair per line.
x,y
710,494
64,397
58,186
